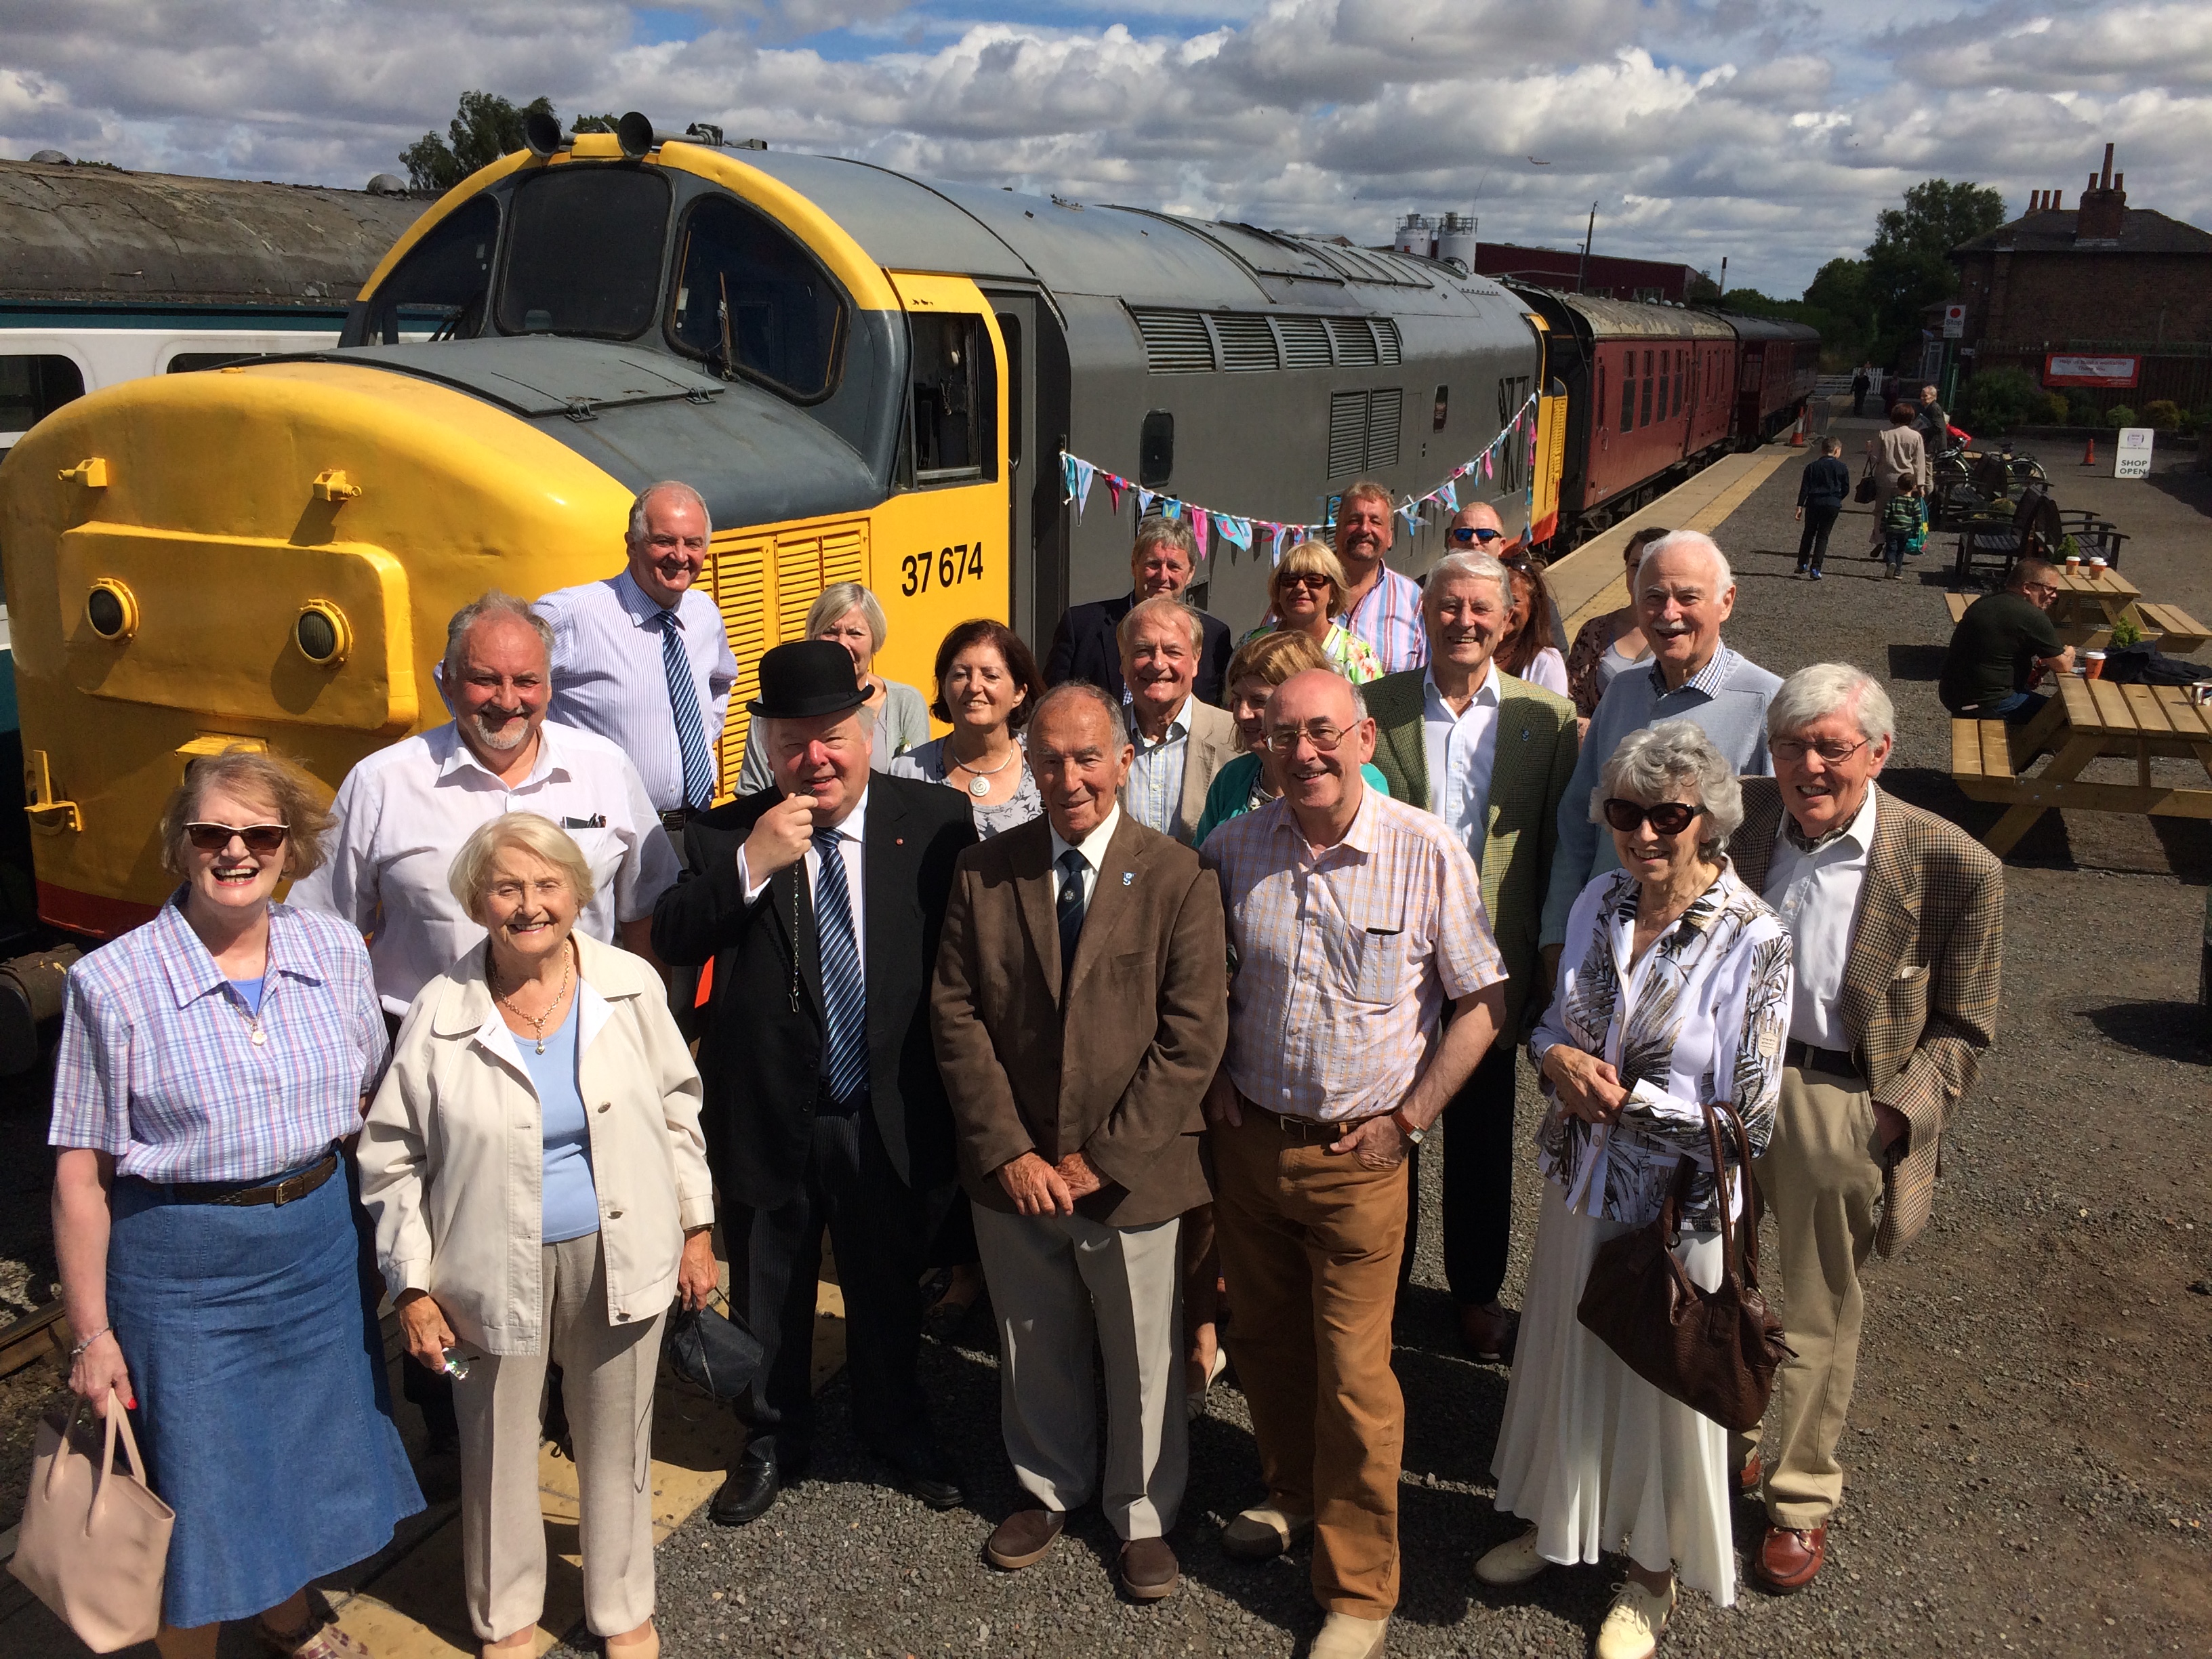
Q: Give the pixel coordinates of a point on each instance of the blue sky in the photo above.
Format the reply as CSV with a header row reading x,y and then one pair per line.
x,y
1768,130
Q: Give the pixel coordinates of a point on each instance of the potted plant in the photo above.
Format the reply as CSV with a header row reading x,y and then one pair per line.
x,y
2125,632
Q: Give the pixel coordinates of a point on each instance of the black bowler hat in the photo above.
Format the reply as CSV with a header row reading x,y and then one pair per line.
x,y
804,678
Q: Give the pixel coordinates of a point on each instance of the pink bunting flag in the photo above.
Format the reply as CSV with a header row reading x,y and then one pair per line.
x,y
1200,523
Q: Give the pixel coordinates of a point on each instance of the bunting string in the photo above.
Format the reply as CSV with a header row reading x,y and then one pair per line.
x,y
1245,533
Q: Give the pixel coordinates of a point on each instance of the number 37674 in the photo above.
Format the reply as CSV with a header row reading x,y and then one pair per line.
x,y
948,566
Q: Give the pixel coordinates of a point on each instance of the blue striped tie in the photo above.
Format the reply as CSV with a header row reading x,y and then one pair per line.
x,y
844,994
690,727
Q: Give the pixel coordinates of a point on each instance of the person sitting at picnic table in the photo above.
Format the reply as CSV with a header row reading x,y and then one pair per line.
x,y
1999,643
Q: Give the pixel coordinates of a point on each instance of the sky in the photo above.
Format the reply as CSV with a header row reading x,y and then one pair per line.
x,y
1771,131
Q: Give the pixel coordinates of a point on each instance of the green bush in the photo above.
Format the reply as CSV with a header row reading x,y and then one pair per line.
x,y
2081,411
1998,399
2056,408
2120,415
2162,414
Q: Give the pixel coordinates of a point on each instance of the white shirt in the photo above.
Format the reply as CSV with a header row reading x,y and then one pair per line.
x,y
404,811
1549,669
852,842
1461,749
608,676
1154,791
1092,846
1817,896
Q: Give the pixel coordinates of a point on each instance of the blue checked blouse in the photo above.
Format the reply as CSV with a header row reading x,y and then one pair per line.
x,y
158,1066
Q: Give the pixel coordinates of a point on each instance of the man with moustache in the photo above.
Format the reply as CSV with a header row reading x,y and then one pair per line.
x,y
1353,919
1683,591
1382,607
1181,742
1489,755
1086,644
819,902
1080,1009
1896,921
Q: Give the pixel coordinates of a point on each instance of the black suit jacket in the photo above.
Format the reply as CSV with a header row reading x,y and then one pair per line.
x,y
761,1057
1084,649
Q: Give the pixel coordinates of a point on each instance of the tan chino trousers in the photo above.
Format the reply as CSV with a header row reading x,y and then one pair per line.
x,y
1310,1246
607,1382
1821,1178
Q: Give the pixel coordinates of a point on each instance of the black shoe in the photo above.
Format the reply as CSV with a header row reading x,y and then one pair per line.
x,y
748,1493
927,1473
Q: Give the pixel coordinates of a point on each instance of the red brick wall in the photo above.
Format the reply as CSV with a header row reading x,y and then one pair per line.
x,y
2026,299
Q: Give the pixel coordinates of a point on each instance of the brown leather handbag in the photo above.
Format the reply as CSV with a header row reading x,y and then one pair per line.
x,y
1715,1351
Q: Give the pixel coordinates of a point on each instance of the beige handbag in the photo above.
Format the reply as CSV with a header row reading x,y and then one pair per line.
x,y
94,1544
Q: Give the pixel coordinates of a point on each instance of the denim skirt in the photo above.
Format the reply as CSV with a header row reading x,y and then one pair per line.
x,y
262,1408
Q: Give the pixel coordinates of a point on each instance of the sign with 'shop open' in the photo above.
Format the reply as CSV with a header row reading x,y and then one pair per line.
x,y
2131,458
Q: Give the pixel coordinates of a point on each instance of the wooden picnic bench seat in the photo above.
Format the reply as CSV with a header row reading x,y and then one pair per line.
x,y
1956,604
2177,628
2087,720
1981,754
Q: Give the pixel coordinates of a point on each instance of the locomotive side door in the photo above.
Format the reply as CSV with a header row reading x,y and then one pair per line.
x,y
1037,427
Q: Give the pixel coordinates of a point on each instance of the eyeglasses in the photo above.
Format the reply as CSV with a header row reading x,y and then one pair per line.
x,y
258,837
1284,740
1668,818
1795,748
1466,533
1307,578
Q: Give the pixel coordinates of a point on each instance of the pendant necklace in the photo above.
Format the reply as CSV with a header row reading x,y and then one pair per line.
x,y
979,783
537,1022
252,1024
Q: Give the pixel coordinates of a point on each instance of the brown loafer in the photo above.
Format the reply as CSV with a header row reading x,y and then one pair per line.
x,y
1488,1333
1023,1538
1789,1559
1148,1569
1749,1477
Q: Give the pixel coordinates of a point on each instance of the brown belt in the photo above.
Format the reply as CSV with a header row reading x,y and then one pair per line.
x,y
287,1191
1307,1130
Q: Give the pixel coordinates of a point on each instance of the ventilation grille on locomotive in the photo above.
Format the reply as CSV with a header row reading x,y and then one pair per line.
x,y
1363,431
1198,342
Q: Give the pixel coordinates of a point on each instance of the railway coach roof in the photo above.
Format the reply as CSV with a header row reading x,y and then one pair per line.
x,y
1626,319
1766,328
99,233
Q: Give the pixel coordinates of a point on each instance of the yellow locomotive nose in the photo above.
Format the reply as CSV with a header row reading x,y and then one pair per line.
x,y
265,553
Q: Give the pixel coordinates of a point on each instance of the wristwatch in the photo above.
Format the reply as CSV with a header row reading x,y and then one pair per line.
x,y
1413,1136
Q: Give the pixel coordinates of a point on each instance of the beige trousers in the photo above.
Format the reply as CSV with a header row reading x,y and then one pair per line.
x,y
1057,1283
1821,1178
607,1382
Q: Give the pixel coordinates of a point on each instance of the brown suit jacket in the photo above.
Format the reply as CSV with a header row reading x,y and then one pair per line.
x,y
1112,1059
1920,989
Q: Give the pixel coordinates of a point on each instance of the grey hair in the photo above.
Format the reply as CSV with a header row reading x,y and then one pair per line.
x,y
469,878
1825,688
490,605
1475,566
1083,691
1649,762
1158,528
1688,539
636,533
1160,605
839,598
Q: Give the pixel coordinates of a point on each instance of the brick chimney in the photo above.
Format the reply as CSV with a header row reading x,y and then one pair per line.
x,y
2103,206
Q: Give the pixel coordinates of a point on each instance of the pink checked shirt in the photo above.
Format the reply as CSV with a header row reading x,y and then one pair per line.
x,y
1389,619
1343,961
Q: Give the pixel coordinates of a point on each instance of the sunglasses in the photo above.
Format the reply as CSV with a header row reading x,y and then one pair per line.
x,y
1468,534
1307,578
258,837
1668,818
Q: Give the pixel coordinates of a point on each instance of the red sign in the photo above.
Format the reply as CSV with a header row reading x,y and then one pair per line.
x,y
2090,371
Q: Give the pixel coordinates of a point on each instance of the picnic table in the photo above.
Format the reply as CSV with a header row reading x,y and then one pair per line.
x,y
2087,719
2090,602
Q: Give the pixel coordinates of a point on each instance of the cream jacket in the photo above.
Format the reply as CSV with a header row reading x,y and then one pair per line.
x,y
452,1154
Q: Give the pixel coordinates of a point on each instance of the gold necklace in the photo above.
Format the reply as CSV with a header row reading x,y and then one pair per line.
x,y
538,1021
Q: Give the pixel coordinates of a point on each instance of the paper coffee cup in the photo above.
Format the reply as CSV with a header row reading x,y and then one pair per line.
x,y
2096,659
2073,561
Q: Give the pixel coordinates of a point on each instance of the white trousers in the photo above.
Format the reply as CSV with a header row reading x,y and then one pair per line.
x,y
1058,1283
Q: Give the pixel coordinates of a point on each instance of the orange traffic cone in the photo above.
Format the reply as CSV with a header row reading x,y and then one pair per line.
x,y
2090,455
1797,433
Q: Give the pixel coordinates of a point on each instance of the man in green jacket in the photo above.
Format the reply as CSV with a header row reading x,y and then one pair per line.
x,y
1491,754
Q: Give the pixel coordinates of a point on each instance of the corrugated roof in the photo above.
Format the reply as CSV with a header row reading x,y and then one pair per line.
x,y
2142,230
1614,320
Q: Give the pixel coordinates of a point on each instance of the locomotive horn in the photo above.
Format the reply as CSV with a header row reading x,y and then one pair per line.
x,y
541,131
634,132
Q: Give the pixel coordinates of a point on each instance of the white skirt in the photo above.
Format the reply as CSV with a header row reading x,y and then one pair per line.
x,y
1588,1452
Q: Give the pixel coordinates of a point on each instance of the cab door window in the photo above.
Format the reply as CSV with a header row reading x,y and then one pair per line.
x,y
32,388
441,288
951,434
749,301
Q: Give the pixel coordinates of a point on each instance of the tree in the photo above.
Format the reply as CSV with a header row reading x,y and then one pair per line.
x,y
485,127
1908,266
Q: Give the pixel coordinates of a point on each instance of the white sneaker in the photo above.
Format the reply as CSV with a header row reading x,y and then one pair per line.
x,y
1515,1562
1638,1619
1344,1636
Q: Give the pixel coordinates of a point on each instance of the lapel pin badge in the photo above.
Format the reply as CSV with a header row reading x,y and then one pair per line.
x,y
1129,877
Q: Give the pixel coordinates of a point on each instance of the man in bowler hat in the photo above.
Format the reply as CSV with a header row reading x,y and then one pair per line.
x,y
820,900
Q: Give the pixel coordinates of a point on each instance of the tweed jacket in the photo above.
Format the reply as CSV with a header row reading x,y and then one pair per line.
x,y
1110,1056
1212,743
1920,989
1537,740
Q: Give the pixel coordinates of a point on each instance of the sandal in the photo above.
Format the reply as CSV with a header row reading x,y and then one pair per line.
x,y
316,1639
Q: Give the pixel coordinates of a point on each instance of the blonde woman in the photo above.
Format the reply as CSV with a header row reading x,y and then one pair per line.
x,y
567,1243
1307,594
847,614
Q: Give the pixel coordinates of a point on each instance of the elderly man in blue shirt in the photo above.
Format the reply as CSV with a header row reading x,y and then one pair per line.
x,y
1683,591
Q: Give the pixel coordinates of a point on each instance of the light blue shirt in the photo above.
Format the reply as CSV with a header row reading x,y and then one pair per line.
x,y
1727,697
1463,749
1155,787
570,1201
608,677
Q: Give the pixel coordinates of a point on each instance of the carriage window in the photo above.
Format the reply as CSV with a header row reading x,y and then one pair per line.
x,y
32,388
751,301
1682,373
583,252
1643,408
439,288
1628,392
1665,362
951,434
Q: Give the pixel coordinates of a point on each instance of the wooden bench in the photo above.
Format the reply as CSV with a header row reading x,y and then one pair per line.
x,y
1957,603
1981,753
2177,629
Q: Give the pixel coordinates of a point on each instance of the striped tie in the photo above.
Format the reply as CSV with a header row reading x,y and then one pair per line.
x,y
844,994
690,727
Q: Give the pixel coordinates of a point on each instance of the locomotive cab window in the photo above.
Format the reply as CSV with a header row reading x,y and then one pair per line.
x,y
583,252
951,430
32,388
750,300
442,286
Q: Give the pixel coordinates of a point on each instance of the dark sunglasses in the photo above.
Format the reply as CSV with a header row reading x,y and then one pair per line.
x,y
258,837
1668,818
1466,533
